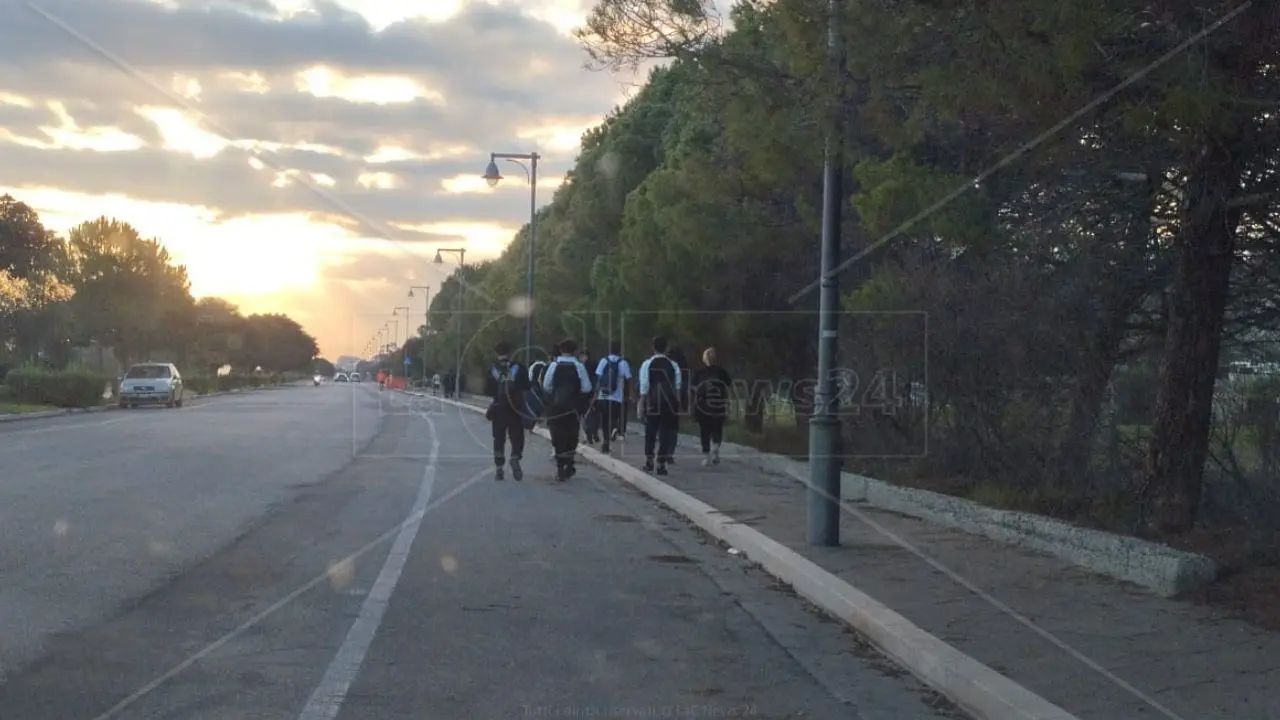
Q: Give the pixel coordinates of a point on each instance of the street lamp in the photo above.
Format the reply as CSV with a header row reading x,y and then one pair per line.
x,y
426,320
824,426
457,362
395,311
493,176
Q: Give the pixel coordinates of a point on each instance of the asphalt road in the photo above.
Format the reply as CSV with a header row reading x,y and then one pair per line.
x,y
336,552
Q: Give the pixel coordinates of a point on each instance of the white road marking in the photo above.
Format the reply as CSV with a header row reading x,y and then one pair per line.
x,y
326,701
414,519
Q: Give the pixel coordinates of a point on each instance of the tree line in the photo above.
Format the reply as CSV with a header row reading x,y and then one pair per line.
x,y
1064,217
105,285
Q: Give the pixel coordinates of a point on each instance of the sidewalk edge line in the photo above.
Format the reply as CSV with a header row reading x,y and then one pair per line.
x,y
980,691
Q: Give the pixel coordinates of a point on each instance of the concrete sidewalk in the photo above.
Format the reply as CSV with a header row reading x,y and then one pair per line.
x,y
1097,648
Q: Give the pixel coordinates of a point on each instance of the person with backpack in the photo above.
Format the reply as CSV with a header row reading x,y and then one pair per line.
x,y
567,385
659,406
711,395
507,384
613,373
686,393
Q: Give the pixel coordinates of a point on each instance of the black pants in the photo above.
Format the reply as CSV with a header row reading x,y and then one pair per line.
x,y
565,428
711,428
611,416
507,426
660,429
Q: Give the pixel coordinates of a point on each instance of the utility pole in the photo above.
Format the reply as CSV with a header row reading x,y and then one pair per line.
x,y
824,425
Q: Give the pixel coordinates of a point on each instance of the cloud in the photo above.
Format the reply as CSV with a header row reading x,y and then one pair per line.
x,y
371,118
194,91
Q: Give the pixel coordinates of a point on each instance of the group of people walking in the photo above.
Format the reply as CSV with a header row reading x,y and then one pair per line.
x,y
565,391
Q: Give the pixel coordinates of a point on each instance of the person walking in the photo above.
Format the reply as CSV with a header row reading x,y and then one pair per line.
x,y
590,419
613,375
685,393
659,406
506,386
711,396
568,387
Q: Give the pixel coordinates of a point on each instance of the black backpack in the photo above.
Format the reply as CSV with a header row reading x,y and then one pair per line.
x,y
503,374
566,386
662,397
609,379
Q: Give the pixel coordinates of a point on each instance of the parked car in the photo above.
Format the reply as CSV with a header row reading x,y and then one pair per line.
x,y
152,384
340,377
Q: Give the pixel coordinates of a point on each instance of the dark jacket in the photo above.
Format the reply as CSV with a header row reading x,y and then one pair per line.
x,y
712,392
519,385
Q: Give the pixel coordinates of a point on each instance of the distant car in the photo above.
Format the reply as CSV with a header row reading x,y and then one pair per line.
x,y
356,377
340,377
152,384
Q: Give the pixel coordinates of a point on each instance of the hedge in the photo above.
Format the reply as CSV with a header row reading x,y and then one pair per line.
x,y
60,388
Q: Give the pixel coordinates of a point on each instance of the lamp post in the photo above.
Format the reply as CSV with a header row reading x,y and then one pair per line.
x,y
493,176
824,426
395,311
457,362
426,320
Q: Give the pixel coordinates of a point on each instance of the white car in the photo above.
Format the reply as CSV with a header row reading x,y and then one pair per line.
x,y
340,377
152,384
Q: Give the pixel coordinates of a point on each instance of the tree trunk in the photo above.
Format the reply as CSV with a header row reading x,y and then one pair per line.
x,y
1072,470
1074,452
1205,247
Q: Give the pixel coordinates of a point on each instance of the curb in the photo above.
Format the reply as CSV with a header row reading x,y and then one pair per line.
x,y
19,417
977,689
1161,569
43,414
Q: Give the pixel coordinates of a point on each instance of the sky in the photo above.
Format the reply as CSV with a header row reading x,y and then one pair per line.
x,y
298,156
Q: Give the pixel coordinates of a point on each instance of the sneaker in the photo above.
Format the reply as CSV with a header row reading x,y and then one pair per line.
x,y
604,449
662,470
517,472
706,460
572,470
497,473
648,465
715,455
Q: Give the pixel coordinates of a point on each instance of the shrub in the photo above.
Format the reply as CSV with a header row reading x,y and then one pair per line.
x,y
60,388
256,381
201,384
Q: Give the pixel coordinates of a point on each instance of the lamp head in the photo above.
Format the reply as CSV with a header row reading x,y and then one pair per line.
x,y
492,175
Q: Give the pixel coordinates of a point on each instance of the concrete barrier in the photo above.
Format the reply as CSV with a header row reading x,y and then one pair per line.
x,y
1161,569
